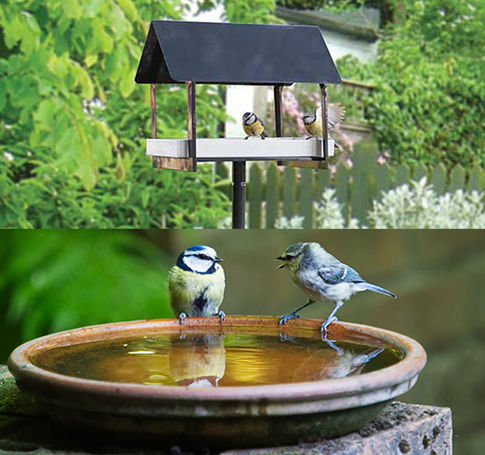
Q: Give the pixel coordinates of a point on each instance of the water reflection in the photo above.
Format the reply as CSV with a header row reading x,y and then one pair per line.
x,y
216,360
197,360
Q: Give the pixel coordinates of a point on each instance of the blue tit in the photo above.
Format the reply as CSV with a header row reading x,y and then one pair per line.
x,y
196,283
253,125
313,122
323,278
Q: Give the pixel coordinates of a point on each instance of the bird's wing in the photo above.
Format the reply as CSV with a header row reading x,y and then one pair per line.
x,y
336,114
339,273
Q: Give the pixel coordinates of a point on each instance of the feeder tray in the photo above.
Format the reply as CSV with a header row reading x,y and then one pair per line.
x,y
289,148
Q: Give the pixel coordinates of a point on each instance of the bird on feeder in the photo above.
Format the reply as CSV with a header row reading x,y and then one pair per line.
x,y
196,284
253,125
313,122
322,277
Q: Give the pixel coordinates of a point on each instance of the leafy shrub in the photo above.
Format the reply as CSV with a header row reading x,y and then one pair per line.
x,y
429,100
73,122
295,222
418,206
301,4
407,206
328,214
56,280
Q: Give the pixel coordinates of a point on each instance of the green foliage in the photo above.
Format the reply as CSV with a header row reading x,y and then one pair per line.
x,y
251,12
413,206
65,279
301,4
419,206
429,101
73,122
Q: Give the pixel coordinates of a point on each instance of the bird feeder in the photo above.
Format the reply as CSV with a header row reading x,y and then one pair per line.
x,y
190,53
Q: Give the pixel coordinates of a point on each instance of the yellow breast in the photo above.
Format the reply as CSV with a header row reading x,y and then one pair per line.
x,y
185,286
314,129
255,129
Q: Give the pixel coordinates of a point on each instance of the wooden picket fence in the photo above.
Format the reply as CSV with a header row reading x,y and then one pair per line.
x,y
273,192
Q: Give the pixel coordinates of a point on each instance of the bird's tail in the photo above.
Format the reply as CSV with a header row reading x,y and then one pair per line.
x,y
375,288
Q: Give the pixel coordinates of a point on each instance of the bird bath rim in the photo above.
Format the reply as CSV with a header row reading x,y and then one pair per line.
x,y
326,395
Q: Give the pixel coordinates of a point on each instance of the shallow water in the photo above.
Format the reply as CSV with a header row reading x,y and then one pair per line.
x,y
209,360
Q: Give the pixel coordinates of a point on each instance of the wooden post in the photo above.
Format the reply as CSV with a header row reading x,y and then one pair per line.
x,y
156,160
323,99
191,128
153,105
159,162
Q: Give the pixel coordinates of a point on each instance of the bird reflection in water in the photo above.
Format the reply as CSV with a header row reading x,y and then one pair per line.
x,y
197,360
339,362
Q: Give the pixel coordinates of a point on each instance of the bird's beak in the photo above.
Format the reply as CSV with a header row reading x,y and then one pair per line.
x,y
218,259
281,258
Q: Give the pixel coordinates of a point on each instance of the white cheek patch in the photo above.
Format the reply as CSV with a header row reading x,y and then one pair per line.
x,y
197,264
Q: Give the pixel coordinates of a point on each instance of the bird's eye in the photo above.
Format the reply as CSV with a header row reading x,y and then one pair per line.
x,y
203,256
289,257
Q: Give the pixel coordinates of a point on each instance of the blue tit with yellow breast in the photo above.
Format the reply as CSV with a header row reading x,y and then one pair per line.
x,y
253,125
322,278
313,122
196,283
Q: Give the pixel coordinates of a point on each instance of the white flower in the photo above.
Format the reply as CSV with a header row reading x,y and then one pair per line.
x,y
8,156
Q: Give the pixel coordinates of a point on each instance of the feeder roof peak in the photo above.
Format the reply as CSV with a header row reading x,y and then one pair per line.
x,y
231,53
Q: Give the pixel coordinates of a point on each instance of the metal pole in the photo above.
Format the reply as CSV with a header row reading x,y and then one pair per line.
x,y
238,194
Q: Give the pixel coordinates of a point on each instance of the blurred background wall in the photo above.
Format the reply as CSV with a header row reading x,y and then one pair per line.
x,y
56,280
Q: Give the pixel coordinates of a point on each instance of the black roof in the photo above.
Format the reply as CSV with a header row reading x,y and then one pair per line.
x,y
224,53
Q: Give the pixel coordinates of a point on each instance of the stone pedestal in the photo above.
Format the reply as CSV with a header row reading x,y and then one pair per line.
x,y
400,429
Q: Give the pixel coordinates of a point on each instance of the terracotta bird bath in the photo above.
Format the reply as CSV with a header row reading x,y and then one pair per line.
x,y
245,383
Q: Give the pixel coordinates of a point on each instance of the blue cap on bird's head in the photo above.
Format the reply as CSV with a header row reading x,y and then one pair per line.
x,y
249,117
198,248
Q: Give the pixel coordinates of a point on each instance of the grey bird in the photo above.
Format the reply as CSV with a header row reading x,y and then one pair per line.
x,y
322,278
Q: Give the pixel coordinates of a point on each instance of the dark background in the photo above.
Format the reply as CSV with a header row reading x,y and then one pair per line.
x,y
55,280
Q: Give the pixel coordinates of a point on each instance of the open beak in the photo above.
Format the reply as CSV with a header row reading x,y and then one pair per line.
x,y
281,266
218,259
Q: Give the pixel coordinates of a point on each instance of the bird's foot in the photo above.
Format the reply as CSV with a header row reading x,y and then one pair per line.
x,y
284,338
332,344
324,326
263,137
286,317
221,315
182,317
309,137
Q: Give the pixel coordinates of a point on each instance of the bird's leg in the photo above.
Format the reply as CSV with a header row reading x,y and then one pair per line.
x,y
309,137
331,343
286,317
182,316
221,315
331,318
